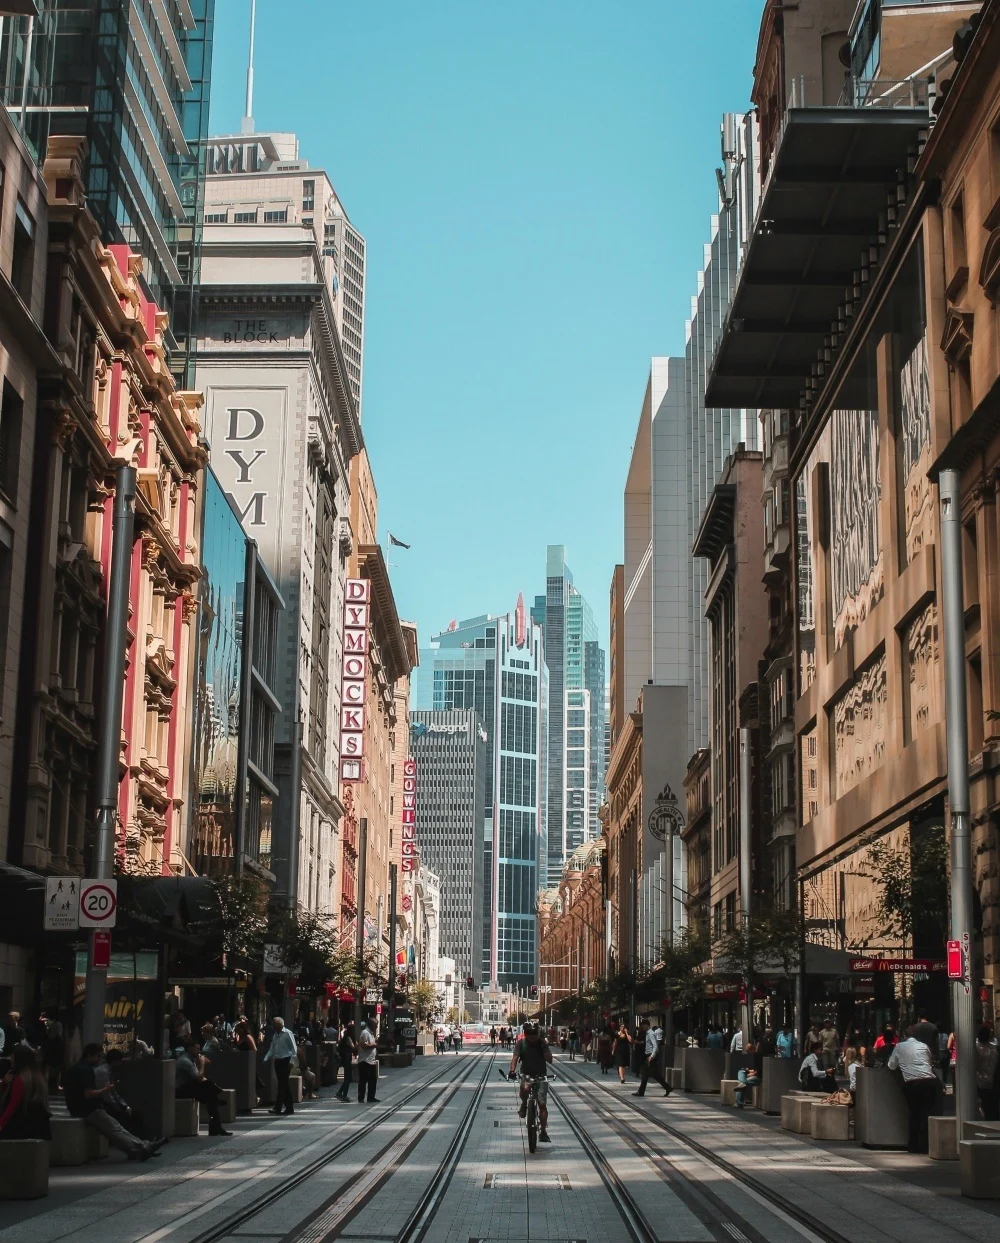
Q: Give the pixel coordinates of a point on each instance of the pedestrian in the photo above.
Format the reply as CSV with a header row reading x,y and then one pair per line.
x,y
927,1031
588,1040
493,1037
24,1100
54,1052
784,1042
920,1085
281,1051
346,1049
180,1030
574,1043
830,1041
84,1099
812,1076
605,1043
715,1040
367,1065
884,1045
852,1072
987,1068
748,1077
440,1038
302,1049
210,1039
652,1038
766,1046
622,1051
191,1083
736,1044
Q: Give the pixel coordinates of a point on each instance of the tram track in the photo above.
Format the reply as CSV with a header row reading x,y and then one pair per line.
x,y
692,1191
247,1212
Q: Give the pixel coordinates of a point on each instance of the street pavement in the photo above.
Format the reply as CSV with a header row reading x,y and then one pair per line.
x,y
443,1158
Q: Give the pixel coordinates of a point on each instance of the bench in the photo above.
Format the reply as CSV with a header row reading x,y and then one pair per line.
x,y
69,1144
981,1130
227,1106
979,1169
942,1135
830,1121
186,1117
729,1089
24,1169
796,1112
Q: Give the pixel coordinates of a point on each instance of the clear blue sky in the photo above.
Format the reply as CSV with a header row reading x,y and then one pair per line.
x,y
535,182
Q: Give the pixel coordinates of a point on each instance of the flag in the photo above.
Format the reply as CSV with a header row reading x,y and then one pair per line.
x,y
396,543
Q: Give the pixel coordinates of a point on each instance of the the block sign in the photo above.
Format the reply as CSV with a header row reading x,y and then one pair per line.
x,y
410,860
354,677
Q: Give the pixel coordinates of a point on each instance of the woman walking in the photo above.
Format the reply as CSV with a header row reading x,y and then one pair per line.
x,y
605,1042
622,1051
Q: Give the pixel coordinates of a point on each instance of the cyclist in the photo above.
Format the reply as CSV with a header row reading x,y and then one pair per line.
x,y
534,1054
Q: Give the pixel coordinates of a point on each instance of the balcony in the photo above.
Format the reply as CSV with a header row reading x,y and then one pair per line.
x,y
838,182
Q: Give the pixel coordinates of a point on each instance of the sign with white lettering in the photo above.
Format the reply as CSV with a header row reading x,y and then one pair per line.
x,y
62,903
410,859
354,678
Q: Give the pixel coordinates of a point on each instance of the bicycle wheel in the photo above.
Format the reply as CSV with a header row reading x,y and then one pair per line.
x,y
532,1124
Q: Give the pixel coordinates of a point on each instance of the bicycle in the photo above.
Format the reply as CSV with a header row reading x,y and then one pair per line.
x,y
532,1106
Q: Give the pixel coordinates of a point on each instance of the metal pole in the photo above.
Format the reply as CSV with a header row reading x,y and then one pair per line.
x,y
746,863
360,943
393,894
953,624
801,1005
107,776
668,884
247,126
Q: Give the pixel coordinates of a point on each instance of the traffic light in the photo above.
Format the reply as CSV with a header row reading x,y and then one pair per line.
x,y
532,990
470,981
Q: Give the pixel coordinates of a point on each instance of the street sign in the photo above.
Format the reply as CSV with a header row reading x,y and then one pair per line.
x,y
899,966
62,903
956,964
98,903
102,951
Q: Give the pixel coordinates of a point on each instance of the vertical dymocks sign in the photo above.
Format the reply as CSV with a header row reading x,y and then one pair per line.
x,y
354,680
409,843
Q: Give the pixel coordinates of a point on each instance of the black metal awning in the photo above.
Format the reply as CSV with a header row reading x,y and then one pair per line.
x,y
828,184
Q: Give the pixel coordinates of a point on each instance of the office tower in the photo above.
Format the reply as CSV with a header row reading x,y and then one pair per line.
x,y
133,77
453,756
260,179
495,665
576,665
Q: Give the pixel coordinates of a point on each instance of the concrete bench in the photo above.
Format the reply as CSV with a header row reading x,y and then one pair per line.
x,y
295,1088
981,1130
779,1075
24,1169
942,1134
227,1106
729,1089
186,1117
796,1112
979,1169
402,1059
70,1142
830,1121
97,1144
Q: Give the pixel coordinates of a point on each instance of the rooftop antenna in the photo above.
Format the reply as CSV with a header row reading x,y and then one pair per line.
x,y
247,124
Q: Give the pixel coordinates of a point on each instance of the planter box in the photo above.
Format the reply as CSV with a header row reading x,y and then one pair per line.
x,y
236,1069
738,1061
148,1085
831,1121
24,1169
979,1169
942,1134
779,1075
269,1081
702,1069
796,1112
881,1119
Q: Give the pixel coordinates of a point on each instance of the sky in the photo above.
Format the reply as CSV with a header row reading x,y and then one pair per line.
x,y
535,183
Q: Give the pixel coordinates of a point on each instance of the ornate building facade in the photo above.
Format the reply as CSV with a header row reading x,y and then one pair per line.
x,y
571,928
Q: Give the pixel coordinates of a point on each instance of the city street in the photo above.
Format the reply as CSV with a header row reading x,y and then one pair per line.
x,y
443,1157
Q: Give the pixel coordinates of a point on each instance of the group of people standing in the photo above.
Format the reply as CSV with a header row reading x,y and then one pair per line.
x,y
502,1036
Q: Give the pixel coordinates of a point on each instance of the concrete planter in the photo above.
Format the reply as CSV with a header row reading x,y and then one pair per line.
x,y
738,1061
831,1121
779,1075
269,1080
24,1169
703,1069
881,1118
236,1069
149,1085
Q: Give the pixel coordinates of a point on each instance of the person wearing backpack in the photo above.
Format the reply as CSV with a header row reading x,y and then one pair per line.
x,y
812,1076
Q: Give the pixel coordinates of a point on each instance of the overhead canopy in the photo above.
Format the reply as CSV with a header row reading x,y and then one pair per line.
x,y
826,189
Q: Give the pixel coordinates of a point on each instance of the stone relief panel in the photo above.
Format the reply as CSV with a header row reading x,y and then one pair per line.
x,y
913,450
923,671
859,724
805,612
855,535
809,758
842,902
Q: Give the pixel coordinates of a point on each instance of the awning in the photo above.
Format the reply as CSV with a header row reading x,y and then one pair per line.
x,y
827,186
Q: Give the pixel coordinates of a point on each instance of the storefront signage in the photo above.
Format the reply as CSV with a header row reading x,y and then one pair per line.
x,y
252,332
410,860
354,678
901,966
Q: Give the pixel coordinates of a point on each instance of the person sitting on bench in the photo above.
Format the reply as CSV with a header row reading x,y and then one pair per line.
x,y
191,1084
85,1099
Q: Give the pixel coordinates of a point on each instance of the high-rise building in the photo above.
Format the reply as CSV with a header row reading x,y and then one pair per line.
x,y
260,179
132,76
452,753
496,666
576,752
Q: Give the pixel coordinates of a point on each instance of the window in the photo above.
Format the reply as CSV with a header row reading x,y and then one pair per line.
x,y
217,217
308,195
245,217
23,252
11,409
276,217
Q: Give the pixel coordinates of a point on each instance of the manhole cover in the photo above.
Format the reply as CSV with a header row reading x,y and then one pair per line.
x,y
539,1182
505,1122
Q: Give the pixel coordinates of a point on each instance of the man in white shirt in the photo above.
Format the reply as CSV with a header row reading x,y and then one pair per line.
x,y
652,1038
281,1051
736,1044
920,1084
367,1065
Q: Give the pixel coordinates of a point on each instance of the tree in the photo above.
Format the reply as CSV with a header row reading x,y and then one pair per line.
x,y
683,978
911,885
755,947
425,1001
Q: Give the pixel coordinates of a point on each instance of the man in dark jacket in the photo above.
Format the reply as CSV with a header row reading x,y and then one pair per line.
x,y
346,1049
85,1099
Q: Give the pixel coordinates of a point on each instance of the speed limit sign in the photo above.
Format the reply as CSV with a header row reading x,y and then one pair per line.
x,y
98,903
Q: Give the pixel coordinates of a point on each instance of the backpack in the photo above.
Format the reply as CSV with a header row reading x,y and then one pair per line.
x,y
805,1076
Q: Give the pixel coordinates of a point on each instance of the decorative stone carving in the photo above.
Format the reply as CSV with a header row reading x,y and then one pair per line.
x,y
914,450
923,669
855,534
956,340
859,726
989,269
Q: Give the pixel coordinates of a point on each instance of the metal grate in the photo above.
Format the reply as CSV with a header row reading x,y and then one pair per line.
x,y
540,1182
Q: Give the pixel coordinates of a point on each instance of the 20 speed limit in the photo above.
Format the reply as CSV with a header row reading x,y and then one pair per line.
x,y
98,903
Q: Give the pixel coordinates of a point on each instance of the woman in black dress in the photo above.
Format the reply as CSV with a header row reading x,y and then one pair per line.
x,y
622,1051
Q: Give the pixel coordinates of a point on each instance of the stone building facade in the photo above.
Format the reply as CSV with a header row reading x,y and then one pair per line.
x,y
571,929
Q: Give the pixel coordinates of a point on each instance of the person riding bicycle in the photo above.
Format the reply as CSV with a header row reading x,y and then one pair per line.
x,y
534,1054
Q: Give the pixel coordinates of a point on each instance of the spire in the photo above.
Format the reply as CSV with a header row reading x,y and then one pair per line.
x,y
247,124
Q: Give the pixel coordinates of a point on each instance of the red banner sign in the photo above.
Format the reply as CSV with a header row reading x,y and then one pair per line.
x,y
902,966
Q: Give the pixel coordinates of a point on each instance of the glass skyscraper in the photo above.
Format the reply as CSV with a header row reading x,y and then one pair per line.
x,y
576,748
495,665
133,77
